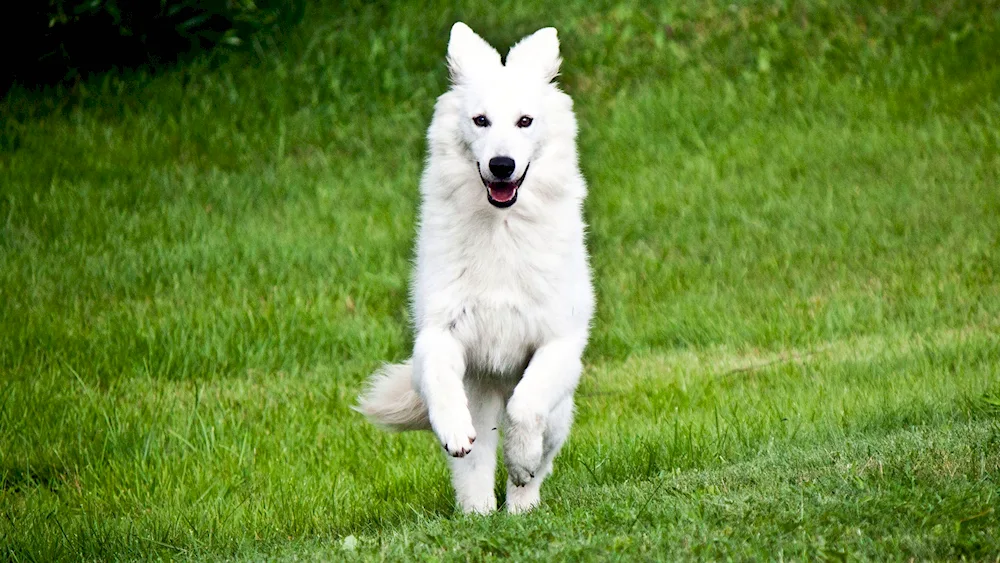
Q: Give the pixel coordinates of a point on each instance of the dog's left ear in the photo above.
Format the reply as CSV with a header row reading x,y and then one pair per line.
x,y
537,53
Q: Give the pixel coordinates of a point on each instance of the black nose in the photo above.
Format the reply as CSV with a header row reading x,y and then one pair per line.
x,y
502,167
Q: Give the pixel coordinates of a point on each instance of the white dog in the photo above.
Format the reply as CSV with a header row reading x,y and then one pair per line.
x,y
502,296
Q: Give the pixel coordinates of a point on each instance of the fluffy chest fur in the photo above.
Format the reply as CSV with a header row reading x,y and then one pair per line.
x,y
502,284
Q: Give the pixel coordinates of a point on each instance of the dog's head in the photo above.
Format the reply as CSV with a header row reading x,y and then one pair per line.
x,y
501,106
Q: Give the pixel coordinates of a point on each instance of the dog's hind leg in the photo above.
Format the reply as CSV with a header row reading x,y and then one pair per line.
x,y
473,476
525,497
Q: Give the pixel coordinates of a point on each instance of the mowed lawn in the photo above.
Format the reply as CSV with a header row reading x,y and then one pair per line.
x,y
794,220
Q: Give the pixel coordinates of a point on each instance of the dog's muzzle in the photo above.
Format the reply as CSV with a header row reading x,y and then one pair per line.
x,y
502,194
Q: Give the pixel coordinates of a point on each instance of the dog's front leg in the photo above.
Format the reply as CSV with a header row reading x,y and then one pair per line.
x,y
551,377
438,370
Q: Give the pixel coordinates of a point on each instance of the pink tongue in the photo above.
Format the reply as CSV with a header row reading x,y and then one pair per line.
x,y
502,191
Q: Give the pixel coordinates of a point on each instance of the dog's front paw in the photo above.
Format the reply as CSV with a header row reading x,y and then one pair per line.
x,y
456,432
521,470
458,445
522,448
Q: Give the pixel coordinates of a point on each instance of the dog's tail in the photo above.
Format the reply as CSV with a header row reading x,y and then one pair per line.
x,y
391,401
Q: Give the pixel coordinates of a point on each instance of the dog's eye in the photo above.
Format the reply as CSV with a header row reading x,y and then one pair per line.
x,y
481,121
525,121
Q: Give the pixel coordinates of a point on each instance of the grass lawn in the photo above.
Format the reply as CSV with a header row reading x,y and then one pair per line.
x,y
794,220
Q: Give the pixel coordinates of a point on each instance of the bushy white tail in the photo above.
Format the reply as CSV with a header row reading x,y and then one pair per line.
x,y
391,401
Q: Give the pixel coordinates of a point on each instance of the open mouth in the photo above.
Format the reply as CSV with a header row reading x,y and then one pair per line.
x,y
503,194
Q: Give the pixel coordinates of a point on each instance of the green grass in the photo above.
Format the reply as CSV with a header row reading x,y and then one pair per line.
x,y
794,230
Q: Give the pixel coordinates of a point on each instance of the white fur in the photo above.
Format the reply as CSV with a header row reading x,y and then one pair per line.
x,y
502,297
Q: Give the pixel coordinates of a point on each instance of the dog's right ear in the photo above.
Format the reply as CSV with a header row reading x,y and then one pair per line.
x,y
469,54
